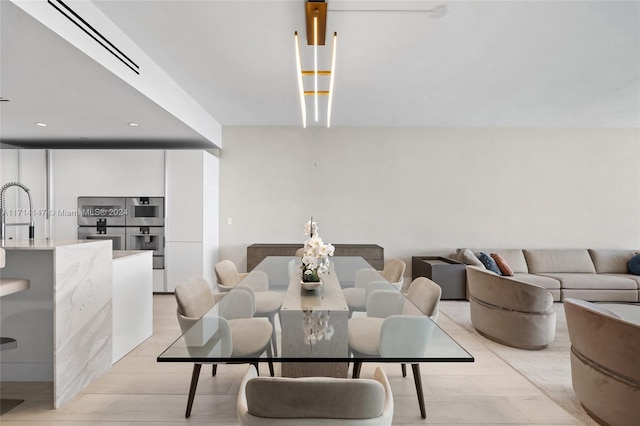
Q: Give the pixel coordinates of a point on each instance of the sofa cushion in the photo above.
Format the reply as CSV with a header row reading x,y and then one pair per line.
x,y
611,261
467,257
594,281
315,397
635,278
539,280
489,263
634,265
563,261
505,269
514,257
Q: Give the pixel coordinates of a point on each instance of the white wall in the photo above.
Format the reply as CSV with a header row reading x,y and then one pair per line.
x,y
418,191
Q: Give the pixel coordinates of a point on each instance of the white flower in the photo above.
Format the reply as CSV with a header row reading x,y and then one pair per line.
x,y
310,228
316,252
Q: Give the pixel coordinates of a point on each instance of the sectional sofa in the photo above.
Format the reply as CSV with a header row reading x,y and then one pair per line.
x,y
586,274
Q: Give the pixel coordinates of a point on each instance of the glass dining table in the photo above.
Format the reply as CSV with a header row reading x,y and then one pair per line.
x,y
313,331
313,326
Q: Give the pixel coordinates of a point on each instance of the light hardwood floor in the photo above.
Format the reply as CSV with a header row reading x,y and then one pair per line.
x,y
140,391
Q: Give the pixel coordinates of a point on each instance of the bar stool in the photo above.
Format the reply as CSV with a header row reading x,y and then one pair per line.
x,y
9,286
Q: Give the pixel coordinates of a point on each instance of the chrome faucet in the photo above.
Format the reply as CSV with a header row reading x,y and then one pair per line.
x,y
3,211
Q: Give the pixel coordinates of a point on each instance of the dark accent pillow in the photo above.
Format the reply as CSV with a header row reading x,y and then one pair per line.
x,y
489,263
504,267
634,265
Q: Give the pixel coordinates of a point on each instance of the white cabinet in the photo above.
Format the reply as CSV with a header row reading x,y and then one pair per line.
x,y
183,261
192,215
104,173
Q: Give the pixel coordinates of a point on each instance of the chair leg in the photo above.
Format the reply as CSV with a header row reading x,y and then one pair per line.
x,y
418,380
255,364
214,369
192,389
357,365
270,356
404,369
274,343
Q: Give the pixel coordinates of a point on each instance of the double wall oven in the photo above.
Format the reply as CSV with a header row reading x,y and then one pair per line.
x,y
131,223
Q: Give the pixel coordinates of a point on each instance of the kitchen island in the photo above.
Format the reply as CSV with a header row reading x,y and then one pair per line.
x,y
63,323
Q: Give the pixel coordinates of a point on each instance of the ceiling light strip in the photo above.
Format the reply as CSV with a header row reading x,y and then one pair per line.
x,y
315,59
303,107
331,78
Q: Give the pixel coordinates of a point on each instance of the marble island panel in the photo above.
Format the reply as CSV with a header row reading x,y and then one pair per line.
x,y
63,322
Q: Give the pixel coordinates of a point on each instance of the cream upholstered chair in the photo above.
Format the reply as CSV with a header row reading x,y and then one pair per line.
x,y
396,336
425,295
10,286
356,295
268,303
300,252
394,272
249,336
605,366
314,401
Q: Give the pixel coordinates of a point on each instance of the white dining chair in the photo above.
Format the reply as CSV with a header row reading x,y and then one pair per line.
x,y
268,303
425,294
356,296
394,272
396,336
248,336
315,401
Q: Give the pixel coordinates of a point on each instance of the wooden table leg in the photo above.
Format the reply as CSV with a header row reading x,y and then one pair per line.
x,y
418,380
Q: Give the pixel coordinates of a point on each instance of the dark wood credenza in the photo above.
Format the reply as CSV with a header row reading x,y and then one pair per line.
x,y
372,253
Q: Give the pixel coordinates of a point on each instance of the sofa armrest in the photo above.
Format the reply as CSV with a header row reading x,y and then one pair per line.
x,y
507,292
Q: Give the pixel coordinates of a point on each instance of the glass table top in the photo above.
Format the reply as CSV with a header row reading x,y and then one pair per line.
x,y
312,325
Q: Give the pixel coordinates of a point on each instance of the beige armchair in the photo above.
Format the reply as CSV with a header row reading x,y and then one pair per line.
x,y
249,337
384,333
394,272
514,314
314,401
268,303
605,362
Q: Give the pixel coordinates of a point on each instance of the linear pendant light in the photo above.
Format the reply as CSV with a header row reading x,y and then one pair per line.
x,y
315,59
331,78
303,106
316,16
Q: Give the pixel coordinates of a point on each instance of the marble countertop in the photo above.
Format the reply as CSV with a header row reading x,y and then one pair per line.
x,y
119,254
45,244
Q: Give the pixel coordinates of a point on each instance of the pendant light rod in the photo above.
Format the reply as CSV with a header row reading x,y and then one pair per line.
x,y
303,107
315,59
331,78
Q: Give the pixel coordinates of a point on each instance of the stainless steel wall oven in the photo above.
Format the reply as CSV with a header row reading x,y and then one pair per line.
x,y
132,223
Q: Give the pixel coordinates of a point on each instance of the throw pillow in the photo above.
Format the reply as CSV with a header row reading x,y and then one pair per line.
x,y
489,263
634,265
504,267
467,257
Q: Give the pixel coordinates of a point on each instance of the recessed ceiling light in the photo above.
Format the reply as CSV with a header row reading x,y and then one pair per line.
x,y
132,124
41,124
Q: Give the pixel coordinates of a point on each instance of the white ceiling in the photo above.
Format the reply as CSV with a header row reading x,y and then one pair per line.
x,y
485,64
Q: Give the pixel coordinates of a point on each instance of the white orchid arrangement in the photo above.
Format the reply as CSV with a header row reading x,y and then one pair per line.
x,y
316,326
315,258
